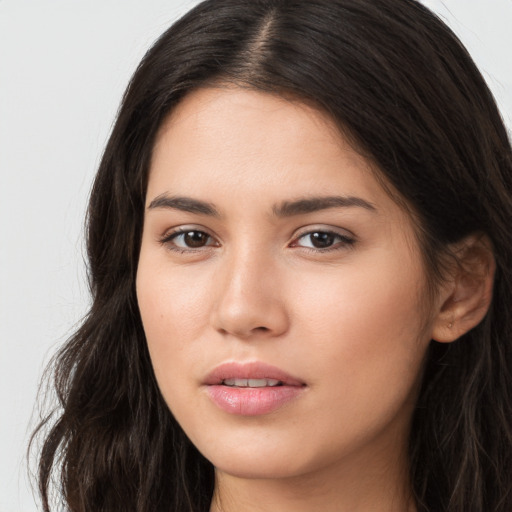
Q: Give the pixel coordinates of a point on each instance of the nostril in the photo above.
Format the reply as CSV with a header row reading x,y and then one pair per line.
x,y
246,334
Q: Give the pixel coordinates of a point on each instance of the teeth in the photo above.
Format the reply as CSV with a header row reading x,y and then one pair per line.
x,y
251,383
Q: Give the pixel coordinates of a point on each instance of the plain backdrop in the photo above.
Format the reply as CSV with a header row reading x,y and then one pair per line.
x,y
63,67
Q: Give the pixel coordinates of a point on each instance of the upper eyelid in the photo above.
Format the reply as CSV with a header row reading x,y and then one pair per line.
x,y
306,230
184,228
171,232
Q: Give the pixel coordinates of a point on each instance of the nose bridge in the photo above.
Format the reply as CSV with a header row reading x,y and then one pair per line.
x,y
249,298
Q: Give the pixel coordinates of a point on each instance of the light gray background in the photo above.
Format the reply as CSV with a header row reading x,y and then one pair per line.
x,y
63,68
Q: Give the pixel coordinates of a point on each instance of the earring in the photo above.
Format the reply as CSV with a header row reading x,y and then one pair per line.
x,y
450,325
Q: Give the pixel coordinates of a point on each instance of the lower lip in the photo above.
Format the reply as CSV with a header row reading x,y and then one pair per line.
x,y
252,401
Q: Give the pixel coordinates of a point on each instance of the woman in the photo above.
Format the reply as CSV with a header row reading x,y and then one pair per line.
x,y
299,247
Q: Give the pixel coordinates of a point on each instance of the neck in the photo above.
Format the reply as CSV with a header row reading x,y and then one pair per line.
x,y
355,486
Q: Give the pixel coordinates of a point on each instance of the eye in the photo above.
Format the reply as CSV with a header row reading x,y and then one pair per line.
x,y
323,240
188,239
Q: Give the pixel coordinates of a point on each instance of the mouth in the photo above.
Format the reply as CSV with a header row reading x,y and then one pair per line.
x,y
251,383
251,389
251,375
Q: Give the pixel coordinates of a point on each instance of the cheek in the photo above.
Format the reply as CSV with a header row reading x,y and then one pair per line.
x,y
368,301
363,331
174,311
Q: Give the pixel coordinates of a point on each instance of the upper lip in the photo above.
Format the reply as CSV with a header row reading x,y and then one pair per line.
x,y
250,370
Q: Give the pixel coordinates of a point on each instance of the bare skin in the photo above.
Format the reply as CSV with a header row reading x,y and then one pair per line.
x,y
268,239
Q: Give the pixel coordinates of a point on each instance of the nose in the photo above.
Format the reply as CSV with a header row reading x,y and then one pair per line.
x,y
249,301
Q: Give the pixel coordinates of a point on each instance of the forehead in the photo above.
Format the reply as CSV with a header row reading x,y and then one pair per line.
x,y
229,142
215,129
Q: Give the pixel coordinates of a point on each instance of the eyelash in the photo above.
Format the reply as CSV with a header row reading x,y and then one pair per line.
x,y
168,240
344,241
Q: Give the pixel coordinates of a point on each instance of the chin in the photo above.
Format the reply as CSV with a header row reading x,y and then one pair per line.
x,y
264,461
258,470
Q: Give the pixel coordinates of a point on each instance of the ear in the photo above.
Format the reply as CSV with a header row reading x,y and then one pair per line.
x,y
466,295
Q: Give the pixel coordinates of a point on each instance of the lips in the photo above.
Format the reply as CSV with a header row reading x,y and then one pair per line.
x,y
251,389
250,371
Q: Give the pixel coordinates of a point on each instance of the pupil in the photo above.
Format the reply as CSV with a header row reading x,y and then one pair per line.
x,y
195,239
322,240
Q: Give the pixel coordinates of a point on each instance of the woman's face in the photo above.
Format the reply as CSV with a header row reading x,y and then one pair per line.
x,y
281,289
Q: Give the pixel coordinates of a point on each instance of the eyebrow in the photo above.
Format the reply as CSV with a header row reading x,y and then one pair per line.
x,y
313,204
184,204
285,209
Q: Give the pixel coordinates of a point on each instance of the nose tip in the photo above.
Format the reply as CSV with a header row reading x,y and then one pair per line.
x,y
250,304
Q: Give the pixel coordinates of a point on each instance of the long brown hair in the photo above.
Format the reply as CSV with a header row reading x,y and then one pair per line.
x,y
398,81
